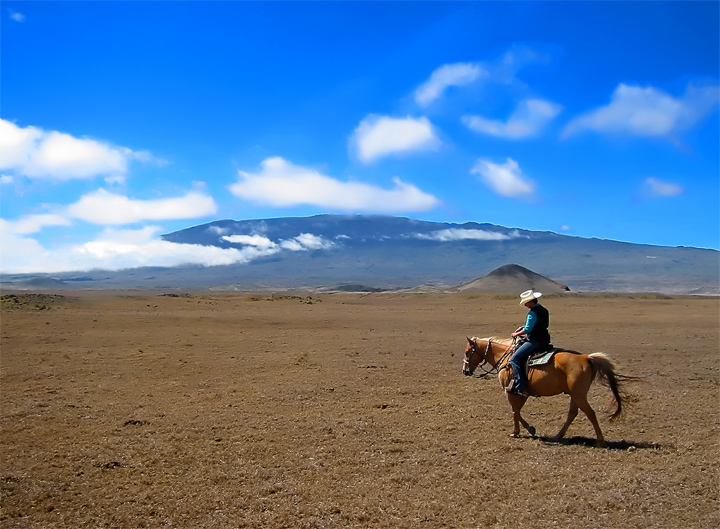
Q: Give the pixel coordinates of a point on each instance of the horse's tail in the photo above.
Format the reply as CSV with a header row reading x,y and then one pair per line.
x,y
606,375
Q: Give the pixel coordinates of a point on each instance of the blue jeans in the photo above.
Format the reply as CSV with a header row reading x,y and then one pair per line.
x,y
519,360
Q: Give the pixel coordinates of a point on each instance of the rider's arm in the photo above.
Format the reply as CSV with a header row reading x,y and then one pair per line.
x,y
529,324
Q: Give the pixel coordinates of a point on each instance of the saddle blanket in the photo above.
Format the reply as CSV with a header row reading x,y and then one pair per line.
x,y
543,358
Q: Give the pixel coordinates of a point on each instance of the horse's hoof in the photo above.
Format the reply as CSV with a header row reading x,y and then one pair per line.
x,y
515,435
532,431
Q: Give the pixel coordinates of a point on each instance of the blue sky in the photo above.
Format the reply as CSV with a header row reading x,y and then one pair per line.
x,y
122,121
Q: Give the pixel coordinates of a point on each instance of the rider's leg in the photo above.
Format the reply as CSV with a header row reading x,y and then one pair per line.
x,y
518,361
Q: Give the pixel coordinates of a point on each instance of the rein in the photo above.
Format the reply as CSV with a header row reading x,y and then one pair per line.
x,y
497,368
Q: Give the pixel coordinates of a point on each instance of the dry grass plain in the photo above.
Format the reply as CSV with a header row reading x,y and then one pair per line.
x,y
209,410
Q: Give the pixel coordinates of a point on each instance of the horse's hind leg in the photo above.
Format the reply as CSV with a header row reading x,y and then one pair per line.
x,y
572,413
580,401
583,404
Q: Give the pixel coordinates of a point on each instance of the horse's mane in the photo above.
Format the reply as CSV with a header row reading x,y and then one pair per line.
x,y
496,339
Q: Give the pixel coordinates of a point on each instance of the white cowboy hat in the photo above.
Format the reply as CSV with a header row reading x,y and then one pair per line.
x,y
529,295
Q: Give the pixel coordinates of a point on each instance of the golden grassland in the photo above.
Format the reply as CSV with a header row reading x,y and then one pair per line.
x,y
143,409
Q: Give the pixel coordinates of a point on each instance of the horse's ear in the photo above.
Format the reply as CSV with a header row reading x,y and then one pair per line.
x,y
470,341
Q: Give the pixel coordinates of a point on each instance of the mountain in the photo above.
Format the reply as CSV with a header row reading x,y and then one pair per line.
x,y
396,252
376,252
513,278
41,283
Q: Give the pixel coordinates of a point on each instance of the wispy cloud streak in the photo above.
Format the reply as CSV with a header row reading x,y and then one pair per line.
x,y
447,75
528,119
647,112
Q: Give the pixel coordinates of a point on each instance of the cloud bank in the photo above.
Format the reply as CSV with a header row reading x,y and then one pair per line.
x,y
280,183
459,234
301,243
111,251
117,249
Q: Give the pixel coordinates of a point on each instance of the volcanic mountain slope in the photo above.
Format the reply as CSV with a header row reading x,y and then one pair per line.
x,y
375,252
512,278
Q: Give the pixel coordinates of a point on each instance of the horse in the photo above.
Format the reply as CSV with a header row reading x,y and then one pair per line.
x,y
568,372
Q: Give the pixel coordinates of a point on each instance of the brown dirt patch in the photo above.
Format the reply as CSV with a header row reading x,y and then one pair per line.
x,y
215,410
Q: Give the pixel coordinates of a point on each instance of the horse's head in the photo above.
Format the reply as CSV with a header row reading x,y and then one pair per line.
x,y
473,357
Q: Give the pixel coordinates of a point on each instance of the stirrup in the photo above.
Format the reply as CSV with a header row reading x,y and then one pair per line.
x,y
512,388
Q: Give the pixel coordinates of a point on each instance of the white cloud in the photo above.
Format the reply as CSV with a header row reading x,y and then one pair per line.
x,y
34,223
506,179
53,155
114,181
652,187
16,144
646,111
129,236
447,75
303,242
6,179
528,119
380,136
103,207
62,156
459,234
27,254
306,242
250,240
282,184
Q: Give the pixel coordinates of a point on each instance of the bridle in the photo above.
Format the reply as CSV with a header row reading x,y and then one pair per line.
x,y
493,370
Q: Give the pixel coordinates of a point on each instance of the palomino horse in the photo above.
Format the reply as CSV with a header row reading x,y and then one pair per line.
x,y
568,372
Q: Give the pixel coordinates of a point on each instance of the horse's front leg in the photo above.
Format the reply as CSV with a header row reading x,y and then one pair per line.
x,y
572,413
516,403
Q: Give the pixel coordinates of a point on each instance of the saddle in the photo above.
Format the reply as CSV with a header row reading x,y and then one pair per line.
x,y
543,356
540,357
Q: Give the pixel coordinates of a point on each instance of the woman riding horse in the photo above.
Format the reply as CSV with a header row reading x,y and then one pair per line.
x,y
536,329
566,372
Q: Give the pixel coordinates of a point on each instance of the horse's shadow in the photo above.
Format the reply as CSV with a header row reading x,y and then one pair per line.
x,y
610,445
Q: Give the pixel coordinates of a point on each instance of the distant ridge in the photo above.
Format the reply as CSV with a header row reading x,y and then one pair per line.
x,y
513,278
